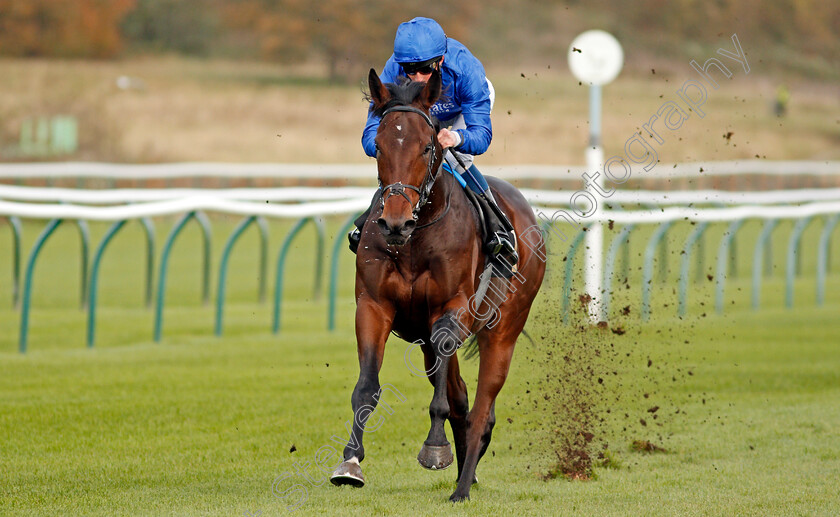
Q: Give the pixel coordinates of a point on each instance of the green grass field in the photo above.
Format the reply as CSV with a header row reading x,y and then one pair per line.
x,y
200,425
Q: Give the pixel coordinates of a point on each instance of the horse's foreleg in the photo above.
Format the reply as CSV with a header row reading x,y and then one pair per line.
x,y
373,323
492,372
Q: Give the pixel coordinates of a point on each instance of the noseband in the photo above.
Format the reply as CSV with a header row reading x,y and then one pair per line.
x,y
425,188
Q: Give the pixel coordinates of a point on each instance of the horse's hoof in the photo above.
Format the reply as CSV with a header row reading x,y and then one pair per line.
x,y
435,457
348,473
458,498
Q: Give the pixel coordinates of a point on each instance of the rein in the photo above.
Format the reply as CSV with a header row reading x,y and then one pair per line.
x,y
425,188
441,216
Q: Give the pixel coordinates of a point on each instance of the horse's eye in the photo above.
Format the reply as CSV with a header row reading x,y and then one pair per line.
x,y
429,148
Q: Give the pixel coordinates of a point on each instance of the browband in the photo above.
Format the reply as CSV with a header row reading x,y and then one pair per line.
x,y
410,109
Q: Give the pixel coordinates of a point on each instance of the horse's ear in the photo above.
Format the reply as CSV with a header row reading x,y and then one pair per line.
x,y
379,95
431,92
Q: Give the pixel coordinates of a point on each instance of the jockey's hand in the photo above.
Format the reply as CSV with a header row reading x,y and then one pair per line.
x,y
449,138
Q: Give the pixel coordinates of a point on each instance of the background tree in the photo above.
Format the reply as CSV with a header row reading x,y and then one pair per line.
x,y
349,35
65,28
173,25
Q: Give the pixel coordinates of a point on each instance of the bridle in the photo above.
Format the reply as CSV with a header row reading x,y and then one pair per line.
x,y
425,188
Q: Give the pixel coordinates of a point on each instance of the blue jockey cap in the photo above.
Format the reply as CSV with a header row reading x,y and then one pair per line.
x,y
421,39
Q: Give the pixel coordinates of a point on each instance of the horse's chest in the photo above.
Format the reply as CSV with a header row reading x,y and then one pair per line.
x,y
411,294
416,292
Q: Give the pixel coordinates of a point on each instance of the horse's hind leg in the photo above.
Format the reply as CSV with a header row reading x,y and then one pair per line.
x,y
459,407
496,354
488,431
459,403
447,335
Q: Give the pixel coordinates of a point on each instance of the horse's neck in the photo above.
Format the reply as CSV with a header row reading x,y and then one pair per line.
x,y
447,229
440,197
449,213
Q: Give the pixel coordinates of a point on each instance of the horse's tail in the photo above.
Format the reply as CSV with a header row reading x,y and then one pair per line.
x,y
470,346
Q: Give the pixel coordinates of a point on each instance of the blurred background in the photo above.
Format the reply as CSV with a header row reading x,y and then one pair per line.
x,y
145,81
203,424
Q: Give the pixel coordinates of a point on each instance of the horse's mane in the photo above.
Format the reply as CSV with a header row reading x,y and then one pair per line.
x,y
403,93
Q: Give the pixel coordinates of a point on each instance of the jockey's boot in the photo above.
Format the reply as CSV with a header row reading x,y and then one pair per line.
x,y
355,235
500,240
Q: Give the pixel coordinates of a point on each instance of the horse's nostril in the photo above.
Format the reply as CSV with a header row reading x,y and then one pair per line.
x,y
398,229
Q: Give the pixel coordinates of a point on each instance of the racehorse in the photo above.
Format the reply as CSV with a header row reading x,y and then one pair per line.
x,y
420,269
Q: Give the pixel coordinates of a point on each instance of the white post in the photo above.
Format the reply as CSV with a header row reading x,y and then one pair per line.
x,y
594,240
595,57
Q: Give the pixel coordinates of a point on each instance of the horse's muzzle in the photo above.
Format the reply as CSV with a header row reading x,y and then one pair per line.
x,y
396,233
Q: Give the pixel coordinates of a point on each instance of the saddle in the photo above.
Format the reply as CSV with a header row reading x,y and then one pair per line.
x,y
499,268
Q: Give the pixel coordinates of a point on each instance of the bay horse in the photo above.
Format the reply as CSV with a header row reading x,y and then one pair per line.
x,y
419,267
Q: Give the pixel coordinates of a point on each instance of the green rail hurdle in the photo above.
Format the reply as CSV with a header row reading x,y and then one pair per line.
x,y
569,260
84,233
262,225
27,282
625,259
149,229
760,252
281,264
17,233
663,251
207,232
336,255
828,255
624,248
223,268
724,251
93,285
701,258
768,256
798,259
823,256
544,233
616,244
685,263
733,258
319,258
733,252
663,259
567,281
647,270
94,279
164,263
792,252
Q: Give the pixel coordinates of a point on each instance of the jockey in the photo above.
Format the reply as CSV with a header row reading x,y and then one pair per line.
x,y
463,111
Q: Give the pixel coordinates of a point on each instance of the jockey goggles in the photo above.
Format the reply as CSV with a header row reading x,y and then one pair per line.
x,y
423,67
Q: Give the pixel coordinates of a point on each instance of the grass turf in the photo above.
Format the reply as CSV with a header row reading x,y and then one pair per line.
x,y
199,425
